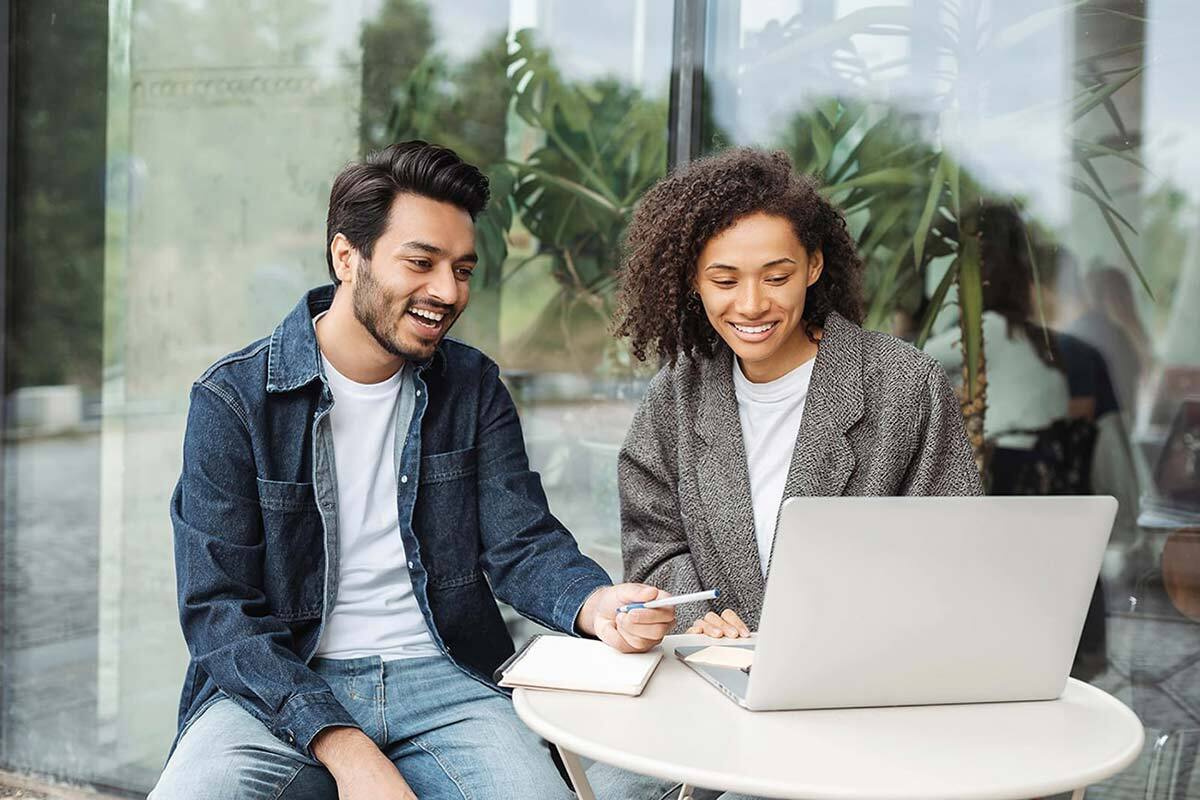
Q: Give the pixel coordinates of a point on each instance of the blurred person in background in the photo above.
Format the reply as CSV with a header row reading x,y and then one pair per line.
x,y
1026,388
1099,309
1053,421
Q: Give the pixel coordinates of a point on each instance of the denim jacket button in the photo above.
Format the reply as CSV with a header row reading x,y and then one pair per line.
x,y
410,565
404,479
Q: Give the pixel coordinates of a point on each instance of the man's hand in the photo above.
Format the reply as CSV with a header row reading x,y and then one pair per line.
x,y
634,632
360,768
727,624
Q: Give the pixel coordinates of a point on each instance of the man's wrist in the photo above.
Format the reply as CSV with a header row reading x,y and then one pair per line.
x,y
585,621
338,748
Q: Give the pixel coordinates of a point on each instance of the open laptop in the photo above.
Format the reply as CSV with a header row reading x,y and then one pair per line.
x,y
885,601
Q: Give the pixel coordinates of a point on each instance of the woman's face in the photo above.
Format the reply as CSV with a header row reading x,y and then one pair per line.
x,y
752,280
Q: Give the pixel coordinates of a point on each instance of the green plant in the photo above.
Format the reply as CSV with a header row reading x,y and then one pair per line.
x,y
910,197
602,144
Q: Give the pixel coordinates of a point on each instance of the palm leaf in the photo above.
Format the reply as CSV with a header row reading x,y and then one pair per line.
x,y
1091,98
937,301
970,303
931,202
1085,151
889,176
1087,191
882,300
1116,232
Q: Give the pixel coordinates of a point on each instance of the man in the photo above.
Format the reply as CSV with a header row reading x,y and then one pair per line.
x,y
355,494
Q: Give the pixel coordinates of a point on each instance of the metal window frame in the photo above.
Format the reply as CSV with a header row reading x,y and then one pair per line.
x,y
6,142
688,50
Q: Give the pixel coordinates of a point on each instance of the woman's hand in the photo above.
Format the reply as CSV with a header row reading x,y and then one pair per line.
x,y
729,625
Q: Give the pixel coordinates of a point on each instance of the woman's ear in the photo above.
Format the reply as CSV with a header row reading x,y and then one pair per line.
x,y
816,265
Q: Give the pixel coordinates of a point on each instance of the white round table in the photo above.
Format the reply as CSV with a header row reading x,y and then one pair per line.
x,y
682,729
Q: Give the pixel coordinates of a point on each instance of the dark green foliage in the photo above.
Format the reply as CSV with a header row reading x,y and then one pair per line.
x,y
55,267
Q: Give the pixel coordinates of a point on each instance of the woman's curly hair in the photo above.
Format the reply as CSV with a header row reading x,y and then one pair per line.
x,y
682,212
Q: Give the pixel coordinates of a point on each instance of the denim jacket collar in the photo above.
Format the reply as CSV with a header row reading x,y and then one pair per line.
x,y
294,358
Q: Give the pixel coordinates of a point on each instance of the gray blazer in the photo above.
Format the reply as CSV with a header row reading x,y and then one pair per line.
x,y
880,419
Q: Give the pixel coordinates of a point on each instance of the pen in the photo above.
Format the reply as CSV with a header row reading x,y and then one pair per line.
x,y
666,602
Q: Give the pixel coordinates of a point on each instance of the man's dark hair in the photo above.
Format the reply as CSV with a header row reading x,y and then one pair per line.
x,y
683,211
363,193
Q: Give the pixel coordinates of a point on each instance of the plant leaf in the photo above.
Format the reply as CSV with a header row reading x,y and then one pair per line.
x,y
576,189
952,179
882,300
1086,190
1083,150
1037,281
1091,98
829,110
889,176
1116,232
1087,167
1032,23
879,227
931,203
823,144
970,303
937,301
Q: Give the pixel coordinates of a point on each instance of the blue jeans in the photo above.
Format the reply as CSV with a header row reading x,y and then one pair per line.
x,y
450,737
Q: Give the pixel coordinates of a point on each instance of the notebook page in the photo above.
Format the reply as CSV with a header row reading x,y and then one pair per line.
x,y
563,662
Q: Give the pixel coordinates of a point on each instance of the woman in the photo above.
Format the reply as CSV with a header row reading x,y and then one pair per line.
x,y
743,279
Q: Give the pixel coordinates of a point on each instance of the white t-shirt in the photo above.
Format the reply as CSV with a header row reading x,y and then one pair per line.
x,y
770,414
376,612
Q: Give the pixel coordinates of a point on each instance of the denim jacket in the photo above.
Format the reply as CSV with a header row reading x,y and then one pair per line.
x,y
255,522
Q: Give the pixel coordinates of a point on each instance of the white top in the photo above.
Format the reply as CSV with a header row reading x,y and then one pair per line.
x,y
1023,392
687,730
770,414
376,612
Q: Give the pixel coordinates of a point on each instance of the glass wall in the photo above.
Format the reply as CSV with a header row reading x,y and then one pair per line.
x,y
171,166
994,157
168,170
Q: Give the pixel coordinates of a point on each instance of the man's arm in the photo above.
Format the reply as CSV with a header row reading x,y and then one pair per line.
x,y
219,549
531,560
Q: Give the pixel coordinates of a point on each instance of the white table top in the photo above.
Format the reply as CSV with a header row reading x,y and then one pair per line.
x,y
683,729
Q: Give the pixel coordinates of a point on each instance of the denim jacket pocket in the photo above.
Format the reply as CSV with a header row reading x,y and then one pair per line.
x,y
448,502
452,466
294,552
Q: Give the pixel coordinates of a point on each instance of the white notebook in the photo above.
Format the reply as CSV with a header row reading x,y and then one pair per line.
x,y
580,665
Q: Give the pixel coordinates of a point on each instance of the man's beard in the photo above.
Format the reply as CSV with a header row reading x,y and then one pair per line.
x,y
371,307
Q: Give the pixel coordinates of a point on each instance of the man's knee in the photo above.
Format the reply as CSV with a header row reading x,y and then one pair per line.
x,y
228,753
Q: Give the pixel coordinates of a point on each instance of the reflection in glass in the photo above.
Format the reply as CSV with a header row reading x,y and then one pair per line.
x,y
173,165
1073,118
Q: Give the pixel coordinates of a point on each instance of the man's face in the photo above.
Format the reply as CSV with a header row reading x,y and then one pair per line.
x,y
417,281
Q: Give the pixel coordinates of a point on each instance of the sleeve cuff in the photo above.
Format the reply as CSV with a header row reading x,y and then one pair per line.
x,y
306,715
570,602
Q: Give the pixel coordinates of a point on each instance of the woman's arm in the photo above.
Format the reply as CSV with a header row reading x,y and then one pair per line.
x,y
654,543
944,464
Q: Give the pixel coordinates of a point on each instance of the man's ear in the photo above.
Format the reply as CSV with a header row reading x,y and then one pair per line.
x,y
816,265
344,256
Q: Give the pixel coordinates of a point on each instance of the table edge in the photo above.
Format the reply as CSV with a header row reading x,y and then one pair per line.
x,y
699,776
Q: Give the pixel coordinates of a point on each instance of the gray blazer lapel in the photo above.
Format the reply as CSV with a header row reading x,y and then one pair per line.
x,y
823,460
724,483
